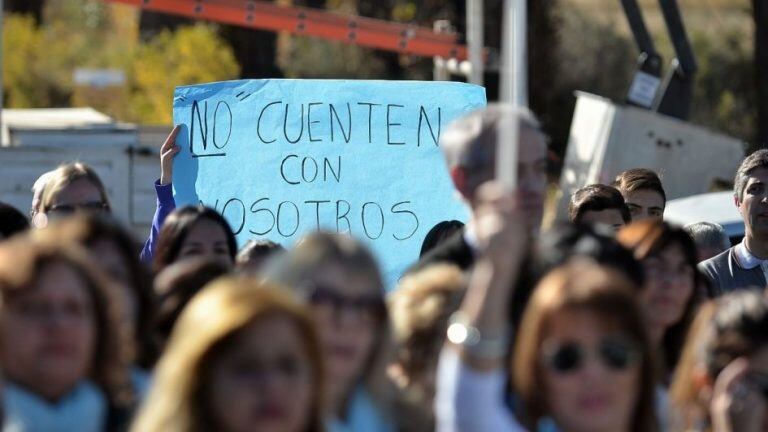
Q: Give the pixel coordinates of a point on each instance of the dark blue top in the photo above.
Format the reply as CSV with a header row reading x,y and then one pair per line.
x,y
165,205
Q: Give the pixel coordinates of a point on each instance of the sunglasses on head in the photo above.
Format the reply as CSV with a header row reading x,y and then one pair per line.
x,y
370,306
614,353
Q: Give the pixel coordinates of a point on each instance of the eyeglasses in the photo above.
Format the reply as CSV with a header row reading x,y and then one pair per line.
x,y
68,209
614,353
370,308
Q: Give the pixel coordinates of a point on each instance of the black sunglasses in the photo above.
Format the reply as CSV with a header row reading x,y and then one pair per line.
x,y
614,353
370,307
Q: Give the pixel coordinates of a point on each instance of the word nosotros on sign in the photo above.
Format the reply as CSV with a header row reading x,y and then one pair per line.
x,y
265,216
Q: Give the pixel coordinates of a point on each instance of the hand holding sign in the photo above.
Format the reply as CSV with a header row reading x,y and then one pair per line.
x,y
280,158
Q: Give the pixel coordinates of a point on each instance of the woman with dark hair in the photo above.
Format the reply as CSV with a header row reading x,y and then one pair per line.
x,y
243,357
12,221
64,353
340,280
254,255
176,286
721,383
195,231
669,296
438,234
115,251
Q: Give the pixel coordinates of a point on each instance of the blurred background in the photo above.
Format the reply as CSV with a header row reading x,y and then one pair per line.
x,y
125,62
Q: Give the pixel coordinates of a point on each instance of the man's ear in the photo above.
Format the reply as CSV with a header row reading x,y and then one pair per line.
x,y
737,202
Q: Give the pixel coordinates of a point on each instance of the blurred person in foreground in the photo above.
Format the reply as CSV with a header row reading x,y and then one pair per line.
x,y
598,204
12,221
64,353
340,280
472,377
744,265
176,286
643,193
420,308
255,254
583,359
710,238
243,357
192,232
722,381
469,145
114,250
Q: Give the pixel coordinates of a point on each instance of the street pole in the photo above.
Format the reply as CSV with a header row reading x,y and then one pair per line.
x,y
514,88
475,40
2,27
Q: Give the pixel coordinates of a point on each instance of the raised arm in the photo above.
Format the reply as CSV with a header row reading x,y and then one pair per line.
x,y
471,374
164,190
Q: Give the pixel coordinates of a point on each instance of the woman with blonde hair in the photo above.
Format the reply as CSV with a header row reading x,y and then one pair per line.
x,y
420,308
64,354
339,278
242,357
69,188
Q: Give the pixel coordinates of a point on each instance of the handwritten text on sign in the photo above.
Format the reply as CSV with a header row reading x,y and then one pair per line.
x,y
280,158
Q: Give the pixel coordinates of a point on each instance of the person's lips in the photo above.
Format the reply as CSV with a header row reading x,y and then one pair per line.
x,y
593,403
345,352
271,412
58,350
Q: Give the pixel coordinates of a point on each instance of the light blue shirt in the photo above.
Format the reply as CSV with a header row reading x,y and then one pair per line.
x,y
362,416
84,409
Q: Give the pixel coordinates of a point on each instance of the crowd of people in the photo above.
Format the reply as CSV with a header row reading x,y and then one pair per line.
x,y
611,321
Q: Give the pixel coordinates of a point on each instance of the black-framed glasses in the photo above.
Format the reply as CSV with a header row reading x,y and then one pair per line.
x,y
68,209
369,308
615,353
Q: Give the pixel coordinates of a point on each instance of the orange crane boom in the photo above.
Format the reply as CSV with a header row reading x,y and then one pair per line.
x,y
262,15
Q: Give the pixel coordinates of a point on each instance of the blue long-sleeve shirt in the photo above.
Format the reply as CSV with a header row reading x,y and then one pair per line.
x,y
165,205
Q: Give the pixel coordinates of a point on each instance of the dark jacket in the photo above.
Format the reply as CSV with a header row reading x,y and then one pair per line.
x,y
726,274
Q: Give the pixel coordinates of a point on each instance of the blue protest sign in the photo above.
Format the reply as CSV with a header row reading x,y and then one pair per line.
x,y
281,158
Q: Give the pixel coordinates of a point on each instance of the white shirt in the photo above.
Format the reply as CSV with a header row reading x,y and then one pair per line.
x,y
747,261
471,401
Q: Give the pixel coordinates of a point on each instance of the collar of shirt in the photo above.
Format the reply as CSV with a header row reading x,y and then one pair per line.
x,y
747,261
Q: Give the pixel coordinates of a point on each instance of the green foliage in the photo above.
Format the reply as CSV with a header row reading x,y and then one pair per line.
x,y
22,48
187,56
724,96
40,61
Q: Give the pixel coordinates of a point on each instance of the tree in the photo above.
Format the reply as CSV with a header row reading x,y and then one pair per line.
x,y
254,50
760,14
190,55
